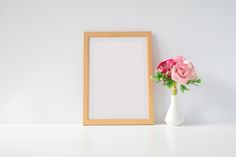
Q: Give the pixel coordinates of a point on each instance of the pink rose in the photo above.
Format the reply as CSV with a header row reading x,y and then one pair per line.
x,y
178,59
166,66
183,71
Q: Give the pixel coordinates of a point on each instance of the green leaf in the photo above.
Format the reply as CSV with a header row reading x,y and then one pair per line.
x,y
168,82
157,76
160,77
194,82
183,88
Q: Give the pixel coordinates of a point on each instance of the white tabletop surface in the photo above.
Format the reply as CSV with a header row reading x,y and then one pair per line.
x,y
74,140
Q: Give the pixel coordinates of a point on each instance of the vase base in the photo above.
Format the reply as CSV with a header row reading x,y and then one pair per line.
x,y
175,123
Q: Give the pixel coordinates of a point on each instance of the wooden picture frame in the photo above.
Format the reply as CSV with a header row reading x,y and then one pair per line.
x,y
98,47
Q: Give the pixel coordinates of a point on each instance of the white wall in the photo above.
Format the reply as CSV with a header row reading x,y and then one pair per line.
x,y
41,53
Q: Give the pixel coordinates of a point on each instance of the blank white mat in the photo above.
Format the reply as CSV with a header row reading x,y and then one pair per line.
x,y
118,78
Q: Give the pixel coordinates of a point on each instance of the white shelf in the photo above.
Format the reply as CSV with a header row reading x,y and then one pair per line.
x,y
74,140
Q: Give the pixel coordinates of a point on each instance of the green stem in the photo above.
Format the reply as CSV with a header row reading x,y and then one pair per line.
x,y
174,89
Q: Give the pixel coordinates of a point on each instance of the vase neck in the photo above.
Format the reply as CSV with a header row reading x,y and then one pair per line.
x,y
173,98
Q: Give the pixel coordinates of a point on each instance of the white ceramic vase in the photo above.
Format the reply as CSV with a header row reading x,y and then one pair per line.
x,y
174,116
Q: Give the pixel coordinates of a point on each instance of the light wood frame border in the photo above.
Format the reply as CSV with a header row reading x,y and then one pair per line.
x,y
86,120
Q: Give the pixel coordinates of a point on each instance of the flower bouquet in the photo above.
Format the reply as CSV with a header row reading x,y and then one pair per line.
x,y
171,73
